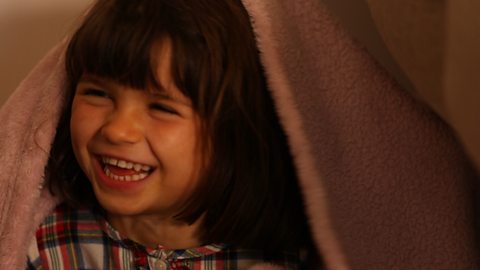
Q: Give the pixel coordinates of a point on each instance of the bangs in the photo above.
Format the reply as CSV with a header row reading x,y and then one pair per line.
x,y
118,38
116,42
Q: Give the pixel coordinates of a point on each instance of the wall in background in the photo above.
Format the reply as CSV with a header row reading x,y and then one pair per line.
x,y
28,29
436,44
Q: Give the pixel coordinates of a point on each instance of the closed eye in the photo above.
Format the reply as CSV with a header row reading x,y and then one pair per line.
x,y
95,92
163,108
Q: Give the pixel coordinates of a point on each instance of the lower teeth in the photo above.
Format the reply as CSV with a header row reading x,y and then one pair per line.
x,y
135,177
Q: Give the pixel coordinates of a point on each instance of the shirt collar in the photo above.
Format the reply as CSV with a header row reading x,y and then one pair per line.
x,y
160,252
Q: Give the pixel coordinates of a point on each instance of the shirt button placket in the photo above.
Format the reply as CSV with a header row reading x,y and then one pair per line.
x,y
161,265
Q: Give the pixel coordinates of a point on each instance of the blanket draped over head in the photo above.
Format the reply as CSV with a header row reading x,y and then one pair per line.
x,y
385,183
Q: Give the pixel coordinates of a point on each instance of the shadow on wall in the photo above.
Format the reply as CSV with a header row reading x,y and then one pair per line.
x,y
356,18
432,44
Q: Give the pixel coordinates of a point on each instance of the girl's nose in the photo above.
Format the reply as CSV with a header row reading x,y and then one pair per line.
x,y
122,128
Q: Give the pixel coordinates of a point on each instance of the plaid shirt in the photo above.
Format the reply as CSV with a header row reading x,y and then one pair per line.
x,y
80,239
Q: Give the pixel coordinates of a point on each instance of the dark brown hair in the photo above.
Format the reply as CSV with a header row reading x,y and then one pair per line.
x,y
248,193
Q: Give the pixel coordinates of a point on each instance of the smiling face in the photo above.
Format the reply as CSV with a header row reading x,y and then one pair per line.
x,y
138,148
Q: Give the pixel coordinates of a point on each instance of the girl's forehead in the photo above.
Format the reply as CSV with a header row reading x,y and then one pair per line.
x,y
161,58
161,64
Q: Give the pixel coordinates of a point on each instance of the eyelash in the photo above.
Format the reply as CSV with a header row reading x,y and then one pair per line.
x,y
163,108
95,92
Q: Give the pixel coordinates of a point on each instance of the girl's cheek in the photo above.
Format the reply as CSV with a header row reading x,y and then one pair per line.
x,y
86,120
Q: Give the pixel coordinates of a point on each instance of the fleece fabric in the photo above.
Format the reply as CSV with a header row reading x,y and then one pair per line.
x,y
385,183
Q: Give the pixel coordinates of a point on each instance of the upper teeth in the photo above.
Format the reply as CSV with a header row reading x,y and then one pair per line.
x,y
126,164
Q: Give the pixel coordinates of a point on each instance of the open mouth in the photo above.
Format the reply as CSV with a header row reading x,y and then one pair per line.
x,y
122,170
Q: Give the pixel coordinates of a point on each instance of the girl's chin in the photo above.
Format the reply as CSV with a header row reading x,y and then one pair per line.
x,y
118,207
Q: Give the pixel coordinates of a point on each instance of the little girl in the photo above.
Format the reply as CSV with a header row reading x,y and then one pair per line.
x,y
168,153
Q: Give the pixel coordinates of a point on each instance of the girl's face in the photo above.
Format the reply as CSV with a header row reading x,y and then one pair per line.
x,y
138,148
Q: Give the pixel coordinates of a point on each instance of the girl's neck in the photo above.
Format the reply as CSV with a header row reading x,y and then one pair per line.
x,y
152,231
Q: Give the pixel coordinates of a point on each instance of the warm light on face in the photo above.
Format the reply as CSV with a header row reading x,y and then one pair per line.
x,y
139,149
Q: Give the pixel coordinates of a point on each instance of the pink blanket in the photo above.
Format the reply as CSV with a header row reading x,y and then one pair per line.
x,y
386,184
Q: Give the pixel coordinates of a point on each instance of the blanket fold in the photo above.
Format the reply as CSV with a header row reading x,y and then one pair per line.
x,y
28,121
